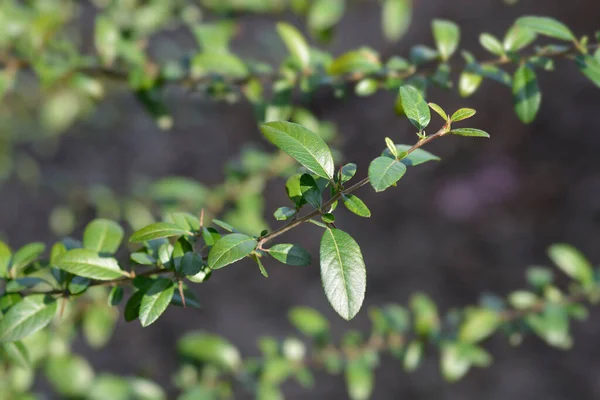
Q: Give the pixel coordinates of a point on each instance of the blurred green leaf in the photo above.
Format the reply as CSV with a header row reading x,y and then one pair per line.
x,y
572,263
103,236
491,44
396,16
359,380
447,36
526,94
478,324
517,38
207,348
70,375
295,43
158,230
590,67
546,26
308,321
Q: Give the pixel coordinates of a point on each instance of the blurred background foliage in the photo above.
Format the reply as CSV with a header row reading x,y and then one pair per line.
x,y
129,110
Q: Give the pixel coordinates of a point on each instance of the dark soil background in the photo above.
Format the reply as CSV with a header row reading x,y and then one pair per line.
x,y
469,224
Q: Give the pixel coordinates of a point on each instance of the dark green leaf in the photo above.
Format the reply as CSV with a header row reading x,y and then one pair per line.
x,y
115,296
303,145
356,205
343,272
132,307
546,26
283,213
470,132
229,249
157,231
27,317
103,236
415,108
526,94
290,254
328,218
190,264
311,190
385,172
224,225
292,188
447,36
88,264
155,300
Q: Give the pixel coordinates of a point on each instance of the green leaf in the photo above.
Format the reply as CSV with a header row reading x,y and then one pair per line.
x,y
5,255
526,94
416,157
308,321
517,38
155,300
229,249
292,188
210,349
70,375
328,218
190,264
347,172
343,272
391,147
356,205
359,379
214,37
27,317
295,43
366,87
590,66
88,264
438,110
26,255
447,36
415,107
470,132
283,213
261,267
491,44
303,145
224,225
426,318
395,18
385,172
546,26
115,296
572,263
186,221
462,114
157,231
290,254
132,307
311,190
478,325
103,236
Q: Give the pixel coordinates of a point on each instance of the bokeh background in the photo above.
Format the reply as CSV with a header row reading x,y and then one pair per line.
x,y
455,229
